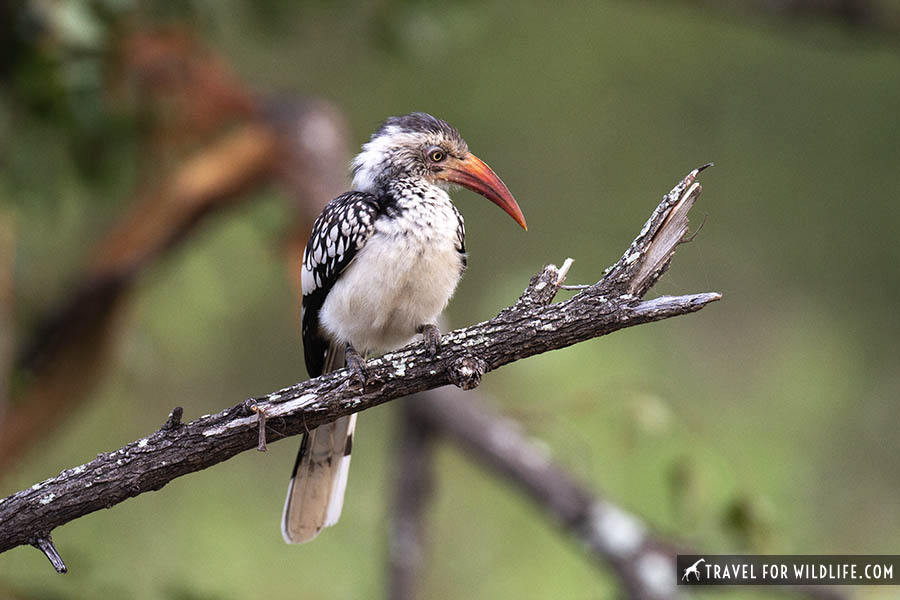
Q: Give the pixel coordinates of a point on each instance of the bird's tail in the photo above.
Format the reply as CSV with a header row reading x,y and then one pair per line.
x,y
315,494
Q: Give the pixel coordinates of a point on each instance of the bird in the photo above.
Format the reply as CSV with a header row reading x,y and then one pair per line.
x,y
380,266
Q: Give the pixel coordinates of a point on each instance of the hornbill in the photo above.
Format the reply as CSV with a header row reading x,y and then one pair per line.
x,y
380,265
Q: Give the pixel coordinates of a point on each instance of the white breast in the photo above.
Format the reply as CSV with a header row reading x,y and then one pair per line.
x,y
402,278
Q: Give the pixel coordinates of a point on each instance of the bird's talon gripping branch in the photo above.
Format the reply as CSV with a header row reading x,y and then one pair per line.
x,y
432,336
356,364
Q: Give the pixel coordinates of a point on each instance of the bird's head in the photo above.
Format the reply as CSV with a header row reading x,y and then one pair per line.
x,y
421,146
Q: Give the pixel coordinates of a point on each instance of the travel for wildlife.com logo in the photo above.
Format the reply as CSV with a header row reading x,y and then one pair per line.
x,y
761,569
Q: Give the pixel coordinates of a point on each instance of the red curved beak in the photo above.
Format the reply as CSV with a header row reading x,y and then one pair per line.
x,y
473,173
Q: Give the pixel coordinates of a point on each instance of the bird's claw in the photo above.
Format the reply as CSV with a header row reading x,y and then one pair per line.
x,y
432,337
356,365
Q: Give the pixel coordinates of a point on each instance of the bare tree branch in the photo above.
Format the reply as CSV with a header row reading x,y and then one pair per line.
x,y
529,327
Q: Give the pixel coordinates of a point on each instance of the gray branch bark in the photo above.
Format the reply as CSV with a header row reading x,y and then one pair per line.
x,y
530,326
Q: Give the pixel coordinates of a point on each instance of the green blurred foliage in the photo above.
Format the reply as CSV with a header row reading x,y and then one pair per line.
x,y
765,423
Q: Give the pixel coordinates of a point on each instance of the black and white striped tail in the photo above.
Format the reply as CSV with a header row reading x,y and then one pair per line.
x,y
315,494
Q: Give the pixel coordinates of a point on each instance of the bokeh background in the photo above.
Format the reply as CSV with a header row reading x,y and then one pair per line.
x,y
766,423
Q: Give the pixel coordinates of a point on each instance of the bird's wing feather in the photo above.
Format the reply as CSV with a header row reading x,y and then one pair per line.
x,y
337,235
461,238
315,494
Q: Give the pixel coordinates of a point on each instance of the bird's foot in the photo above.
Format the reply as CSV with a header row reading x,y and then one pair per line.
x,y
432,336
356,364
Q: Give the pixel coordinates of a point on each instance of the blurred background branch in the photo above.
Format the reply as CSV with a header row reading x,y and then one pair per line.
x,y
414,479
880,16
616,539
7,299
65,356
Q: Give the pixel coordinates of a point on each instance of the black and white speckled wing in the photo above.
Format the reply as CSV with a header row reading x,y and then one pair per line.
x,y
461,238
337,235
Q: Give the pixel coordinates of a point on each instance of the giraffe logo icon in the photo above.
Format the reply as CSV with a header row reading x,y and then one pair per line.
x,y
693,569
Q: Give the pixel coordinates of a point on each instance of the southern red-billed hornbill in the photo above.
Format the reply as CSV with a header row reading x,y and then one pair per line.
x,y
379,267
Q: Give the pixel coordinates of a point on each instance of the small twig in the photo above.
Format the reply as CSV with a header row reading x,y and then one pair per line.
x,y
174,420
693,236
261,418
45,544
541,289
564,271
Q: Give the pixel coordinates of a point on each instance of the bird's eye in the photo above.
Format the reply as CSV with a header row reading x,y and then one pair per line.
x,y
436,155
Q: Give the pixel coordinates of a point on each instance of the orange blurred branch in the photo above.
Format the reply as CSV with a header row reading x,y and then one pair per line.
x,y
196,94
7,297
67,353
